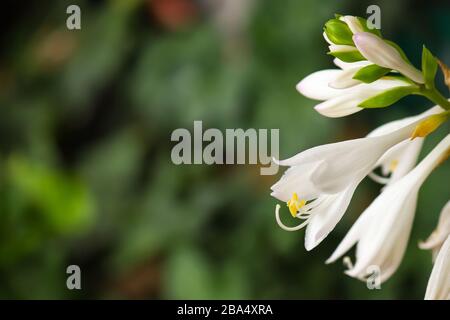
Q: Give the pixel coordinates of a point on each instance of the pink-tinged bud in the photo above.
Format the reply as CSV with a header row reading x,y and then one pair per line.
x,y
377,51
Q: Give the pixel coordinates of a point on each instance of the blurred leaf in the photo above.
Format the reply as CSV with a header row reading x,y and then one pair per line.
x,y
63,201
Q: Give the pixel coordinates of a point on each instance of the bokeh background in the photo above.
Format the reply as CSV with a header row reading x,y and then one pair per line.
x,y
85,170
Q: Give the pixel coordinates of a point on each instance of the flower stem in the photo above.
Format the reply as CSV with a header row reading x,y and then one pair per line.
x,y
434,95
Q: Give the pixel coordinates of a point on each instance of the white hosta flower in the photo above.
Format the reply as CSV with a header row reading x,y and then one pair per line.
x,y
437,238
438,287
376,50
382,231
322,210
321,85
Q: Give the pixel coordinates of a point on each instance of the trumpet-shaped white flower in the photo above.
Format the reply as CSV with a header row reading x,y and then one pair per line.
x,y
438,287
376,50
438,236
382,231
341,99
321,209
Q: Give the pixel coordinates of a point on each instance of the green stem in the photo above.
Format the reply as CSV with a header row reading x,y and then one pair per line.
x,y
434,95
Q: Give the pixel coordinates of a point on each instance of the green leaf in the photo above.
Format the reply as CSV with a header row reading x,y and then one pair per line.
x,y
348,56
387,97
429,67
363,23
338,32
63,202
370,73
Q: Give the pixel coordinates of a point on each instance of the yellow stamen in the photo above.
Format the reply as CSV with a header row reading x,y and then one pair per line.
x,y
393,165
295,204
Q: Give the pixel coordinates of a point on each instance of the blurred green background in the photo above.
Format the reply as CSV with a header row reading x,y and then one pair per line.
x,y
85,170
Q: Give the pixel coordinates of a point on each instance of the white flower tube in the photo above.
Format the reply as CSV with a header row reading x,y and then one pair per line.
x,y
341,163
382,231
347,103
438,287
332,85
376,50
438,236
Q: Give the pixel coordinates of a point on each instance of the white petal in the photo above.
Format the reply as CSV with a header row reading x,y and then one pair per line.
x,y
400,159
326,38
353,160
407,159
442,231
345,79
353,23
315,86
296,180
341,106
438,287
346,65
346,161
350,239
347,102
384,240
376,50
433,159
326,216
341,48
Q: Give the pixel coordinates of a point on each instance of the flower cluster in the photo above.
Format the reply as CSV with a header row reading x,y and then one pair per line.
x,y
319,183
